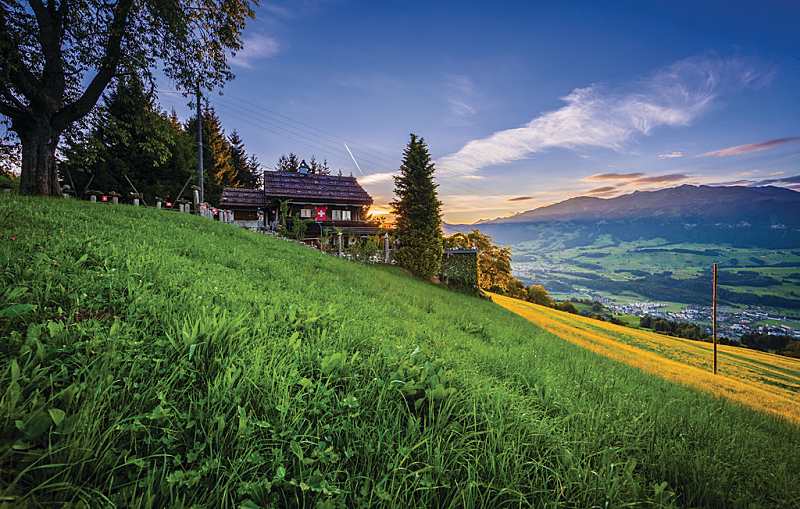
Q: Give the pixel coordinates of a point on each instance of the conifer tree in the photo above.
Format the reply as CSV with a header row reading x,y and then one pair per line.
x,y
217,165
129,137
417,210
288,163
245,168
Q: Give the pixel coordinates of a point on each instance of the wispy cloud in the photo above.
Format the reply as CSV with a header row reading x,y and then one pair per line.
x,y
521,198
752,147
672,155
594,117
459,94
375,178
602,190
662,179
788,181
613,176
255,47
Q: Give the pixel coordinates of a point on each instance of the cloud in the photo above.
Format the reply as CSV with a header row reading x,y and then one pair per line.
x,y
255,47
662,179
751,147
602,190
594,117
613,176
459,93
780,181
521,198
671,155
376,178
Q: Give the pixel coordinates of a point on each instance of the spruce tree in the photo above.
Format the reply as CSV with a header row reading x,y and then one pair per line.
x,y
128,136
219,171
245,168
417,210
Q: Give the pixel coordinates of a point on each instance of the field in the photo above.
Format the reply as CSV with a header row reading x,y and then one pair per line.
x,y
155,359
770,383
654,270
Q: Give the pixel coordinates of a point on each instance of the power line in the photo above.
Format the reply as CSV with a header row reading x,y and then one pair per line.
x,y
263,118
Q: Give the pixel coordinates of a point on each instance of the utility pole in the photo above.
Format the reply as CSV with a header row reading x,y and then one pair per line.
x,y
199,145
714,312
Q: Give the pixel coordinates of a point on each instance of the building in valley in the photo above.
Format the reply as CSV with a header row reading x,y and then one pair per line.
x,y
329,204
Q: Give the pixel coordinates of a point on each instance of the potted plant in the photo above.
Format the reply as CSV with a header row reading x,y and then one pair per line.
x,y
115,196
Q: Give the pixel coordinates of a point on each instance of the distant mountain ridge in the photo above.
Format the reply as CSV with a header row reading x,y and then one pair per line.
x,y
775,205
740,216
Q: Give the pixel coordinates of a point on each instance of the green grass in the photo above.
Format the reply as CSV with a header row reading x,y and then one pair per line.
x,y
152,359
555,265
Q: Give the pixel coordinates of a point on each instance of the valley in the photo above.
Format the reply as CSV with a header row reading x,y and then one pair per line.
x,y
758,287
650,253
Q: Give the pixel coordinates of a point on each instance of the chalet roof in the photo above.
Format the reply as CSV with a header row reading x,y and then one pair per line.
x,y
242,198
297,186
292,185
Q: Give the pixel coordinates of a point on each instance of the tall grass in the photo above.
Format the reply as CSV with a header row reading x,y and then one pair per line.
x,y
154,359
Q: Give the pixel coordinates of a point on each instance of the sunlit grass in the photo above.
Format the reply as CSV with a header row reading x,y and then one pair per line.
x,y
763,381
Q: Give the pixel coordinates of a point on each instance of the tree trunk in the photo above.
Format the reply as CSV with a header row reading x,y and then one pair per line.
x,y
39,175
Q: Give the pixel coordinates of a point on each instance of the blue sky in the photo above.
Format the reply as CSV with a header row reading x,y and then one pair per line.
x,y
524,104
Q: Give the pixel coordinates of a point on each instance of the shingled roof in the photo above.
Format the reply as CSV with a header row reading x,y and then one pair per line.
x,y
242,198
297,186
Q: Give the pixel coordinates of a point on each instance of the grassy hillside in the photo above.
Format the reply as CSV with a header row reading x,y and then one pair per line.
x,y
154,359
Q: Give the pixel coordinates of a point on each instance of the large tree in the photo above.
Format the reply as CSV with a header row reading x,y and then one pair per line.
x,y
417,210
494,262
58,56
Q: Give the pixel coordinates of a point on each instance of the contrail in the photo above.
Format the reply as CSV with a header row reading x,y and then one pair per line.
x,y
354,159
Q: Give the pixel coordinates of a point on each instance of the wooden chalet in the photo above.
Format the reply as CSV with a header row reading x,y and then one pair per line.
x,y
329,203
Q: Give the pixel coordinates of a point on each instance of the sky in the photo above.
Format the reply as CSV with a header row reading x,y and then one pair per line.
x,y
523,104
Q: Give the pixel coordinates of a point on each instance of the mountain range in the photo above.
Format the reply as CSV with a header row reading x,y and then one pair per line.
x,y
764,216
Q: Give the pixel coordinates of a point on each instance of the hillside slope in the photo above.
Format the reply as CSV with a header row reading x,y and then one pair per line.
x,y
154,359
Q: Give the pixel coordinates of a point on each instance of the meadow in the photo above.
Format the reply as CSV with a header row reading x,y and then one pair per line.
x,y
646,269
765,381
156,359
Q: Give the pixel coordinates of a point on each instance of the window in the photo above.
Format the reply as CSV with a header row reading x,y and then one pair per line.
x,y
306,213
341,215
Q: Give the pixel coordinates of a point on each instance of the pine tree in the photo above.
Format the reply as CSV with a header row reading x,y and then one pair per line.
x,y
288,163
245,168
128,136
319,168
417,210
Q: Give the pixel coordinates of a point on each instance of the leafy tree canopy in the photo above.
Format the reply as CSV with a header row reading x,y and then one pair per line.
x,y
57,58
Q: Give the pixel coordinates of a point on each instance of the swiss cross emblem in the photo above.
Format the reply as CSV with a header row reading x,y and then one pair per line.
x,y
321,213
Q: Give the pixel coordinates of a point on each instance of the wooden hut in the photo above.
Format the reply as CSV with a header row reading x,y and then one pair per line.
x,y
327,203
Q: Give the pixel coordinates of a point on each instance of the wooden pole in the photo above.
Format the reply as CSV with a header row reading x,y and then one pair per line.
x,y
714,312
199,146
